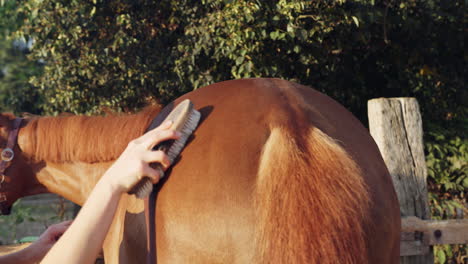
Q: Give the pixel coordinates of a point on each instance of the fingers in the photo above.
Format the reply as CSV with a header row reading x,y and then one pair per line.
x,y
164,126
157,156
133,163
153,174
60,228
157,135
160,137
55,231
65,223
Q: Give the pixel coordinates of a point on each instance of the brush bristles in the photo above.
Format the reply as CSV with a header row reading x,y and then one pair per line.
x,y
145,186
186,131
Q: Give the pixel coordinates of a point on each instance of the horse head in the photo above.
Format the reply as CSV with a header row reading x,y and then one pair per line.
x,y
16,175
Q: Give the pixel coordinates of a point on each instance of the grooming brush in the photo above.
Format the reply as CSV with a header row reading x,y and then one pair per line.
x,y
184,120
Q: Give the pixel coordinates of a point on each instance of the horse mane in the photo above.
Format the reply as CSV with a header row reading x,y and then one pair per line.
x,y
89,139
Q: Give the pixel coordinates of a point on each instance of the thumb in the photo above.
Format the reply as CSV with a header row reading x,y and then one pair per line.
x,y
167,124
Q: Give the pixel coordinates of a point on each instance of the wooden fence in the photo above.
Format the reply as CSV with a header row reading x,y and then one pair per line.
x,y
396,126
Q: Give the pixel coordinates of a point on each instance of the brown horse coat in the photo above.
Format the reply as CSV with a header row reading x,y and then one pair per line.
x,y
275,173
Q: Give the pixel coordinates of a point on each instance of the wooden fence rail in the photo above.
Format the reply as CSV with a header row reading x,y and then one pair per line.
x,y
396,126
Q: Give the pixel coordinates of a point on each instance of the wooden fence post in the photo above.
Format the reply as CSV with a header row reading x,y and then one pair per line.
x,y
396,126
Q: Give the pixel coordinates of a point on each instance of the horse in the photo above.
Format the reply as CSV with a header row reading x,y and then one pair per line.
x,y
276,172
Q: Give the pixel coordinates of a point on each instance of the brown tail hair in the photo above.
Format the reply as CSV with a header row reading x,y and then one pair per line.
x,y
311,202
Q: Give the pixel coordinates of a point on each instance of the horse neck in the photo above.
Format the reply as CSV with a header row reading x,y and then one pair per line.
x,y
68,155
71,180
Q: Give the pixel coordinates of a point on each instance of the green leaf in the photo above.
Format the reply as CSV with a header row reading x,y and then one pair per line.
x,y
465,182
302,34
240,60
356,21
441,256
274,35
248,67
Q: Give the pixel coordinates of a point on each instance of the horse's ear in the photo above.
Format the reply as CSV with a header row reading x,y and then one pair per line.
x,y
27,115
5,119
2,120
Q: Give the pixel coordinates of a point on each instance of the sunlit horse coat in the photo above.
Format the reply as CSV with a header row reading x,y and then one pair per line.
x,y
275,173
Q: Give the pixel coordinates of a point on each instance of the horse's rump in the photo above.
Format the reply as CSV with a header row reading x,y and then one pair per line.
x,y
276,173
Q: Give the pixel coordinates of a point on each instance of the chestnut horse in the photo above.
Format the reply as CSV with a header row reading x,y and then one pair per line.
x,y
275,173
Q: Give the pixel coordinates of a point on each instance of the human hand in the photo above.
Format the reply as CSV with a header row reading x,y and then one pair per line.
x,y
40,247
133,163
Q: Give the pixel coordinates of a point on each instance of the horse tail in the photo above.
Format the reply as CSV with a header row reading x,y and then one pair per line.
x,y
311,201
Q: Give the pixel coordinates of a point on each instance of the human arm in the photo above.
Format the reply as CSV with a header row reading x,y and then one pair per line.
x,y
37,250
83,240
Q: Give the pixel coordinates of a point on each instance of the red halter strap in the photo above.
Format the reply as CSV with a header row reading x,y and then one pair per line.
x,y
7,153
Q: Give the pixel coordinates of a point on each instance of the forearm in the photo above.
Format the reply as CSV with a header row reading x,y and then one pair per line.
x,y
83,240
89,228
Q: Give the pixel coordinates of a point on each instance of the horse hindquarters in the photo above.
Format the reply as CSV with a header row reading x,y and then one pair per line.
x,y
266,181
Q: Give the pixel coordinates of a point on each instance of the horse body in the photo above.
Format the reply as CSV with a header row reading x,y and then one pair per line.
x,y
275,172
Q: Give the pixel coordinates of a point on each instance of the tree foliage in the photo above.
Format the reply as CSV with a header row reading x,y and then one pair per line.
x,y
119,53
351,50
16,93
103,53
